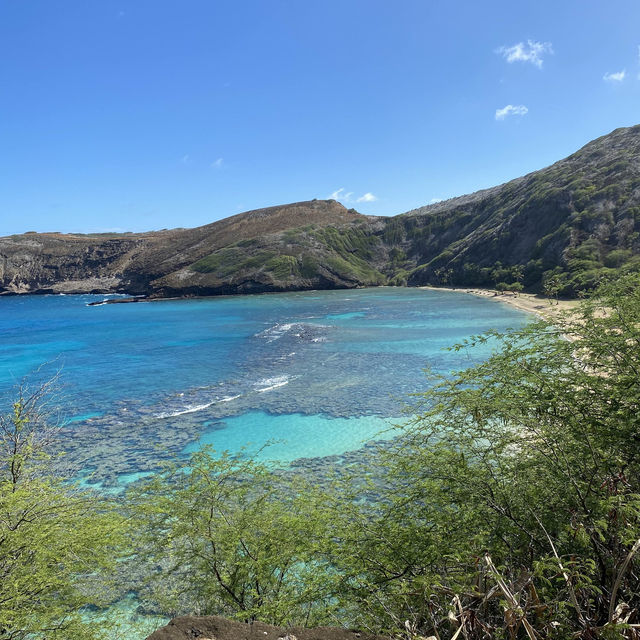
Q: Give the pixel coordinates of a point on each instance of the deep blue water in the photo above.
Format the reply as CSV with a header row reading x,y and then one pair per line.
x,y
318,371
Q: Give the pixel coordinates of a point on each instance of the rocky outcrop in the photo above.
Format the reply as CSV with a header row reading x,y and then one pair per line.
x,y
64,263
215,628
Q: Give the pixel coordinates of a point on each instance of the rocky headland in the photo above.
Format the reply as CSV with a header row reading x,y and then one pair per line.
x,y
568,225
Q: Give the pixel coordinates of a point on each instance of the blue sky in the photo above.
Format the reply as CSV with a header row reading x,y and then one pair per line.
x,y
147,114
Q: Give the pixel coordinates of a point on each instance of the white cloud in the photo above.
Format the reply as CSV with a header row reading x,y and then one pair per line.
x,y
347,196
511,110
618,76
217,164
531,51
434,200
339,194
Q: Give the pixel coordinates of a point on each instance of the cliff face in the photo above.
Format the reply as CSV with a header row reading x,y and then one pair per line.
x,y
50,262
575,221
215,628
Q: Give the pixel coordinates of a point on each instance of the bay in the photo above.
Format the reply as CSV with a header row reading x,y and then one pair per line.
x,y
319,372
304,378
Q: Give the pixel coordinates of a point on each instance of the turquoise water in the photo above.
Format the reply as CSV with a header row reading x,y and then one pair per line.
x,y
317,372
290,436
124,621
309,375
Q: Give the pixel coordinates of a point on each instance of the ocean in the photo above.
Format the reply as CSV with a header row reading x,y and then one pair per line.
x,y
315,374
307,378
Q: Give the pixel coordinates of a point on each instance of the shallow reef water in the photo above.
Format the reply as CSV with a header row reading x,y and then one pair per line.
x,y
314,374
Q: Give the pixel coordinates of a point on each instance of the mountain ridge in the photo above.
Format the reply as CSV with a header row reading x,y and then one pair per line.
x,y
567,225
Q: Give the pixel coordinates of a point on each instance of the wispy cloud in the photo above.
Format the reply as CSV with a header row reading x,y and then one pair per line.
x,y
511,110
217,164
347,196
185,159
617,76
340,194
530,51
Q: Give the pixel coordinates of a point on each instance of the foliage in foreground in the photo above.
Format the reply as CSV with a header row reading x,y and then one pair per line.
x,y
52,535
508,508
233,538
516,491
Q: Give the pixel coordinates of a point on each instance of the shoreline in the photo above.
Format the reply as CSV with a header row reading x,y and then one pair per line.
x,y
536,304
529,302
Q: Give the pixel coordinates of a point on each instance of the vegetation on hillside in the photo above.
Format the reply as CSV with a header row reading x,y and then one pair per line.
x,y
509,507
576,222
298,257
565,227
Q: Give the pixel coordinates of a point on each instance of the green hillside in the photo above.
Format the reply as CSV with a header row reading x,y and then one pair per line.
x,y
562,229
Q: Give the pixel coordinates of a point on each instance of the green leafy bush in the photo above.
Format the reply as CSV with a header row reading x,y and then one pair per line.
x,y
56,541
509,507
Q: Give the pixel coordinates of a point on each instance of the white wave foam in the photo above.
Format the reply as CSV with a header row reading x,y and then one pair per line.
x,y
181,412
267,384
230,398
273,386
274,332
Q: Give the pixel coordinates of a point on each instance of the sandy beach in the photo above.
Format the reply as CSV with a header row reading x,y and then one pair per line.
x,y
530,302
